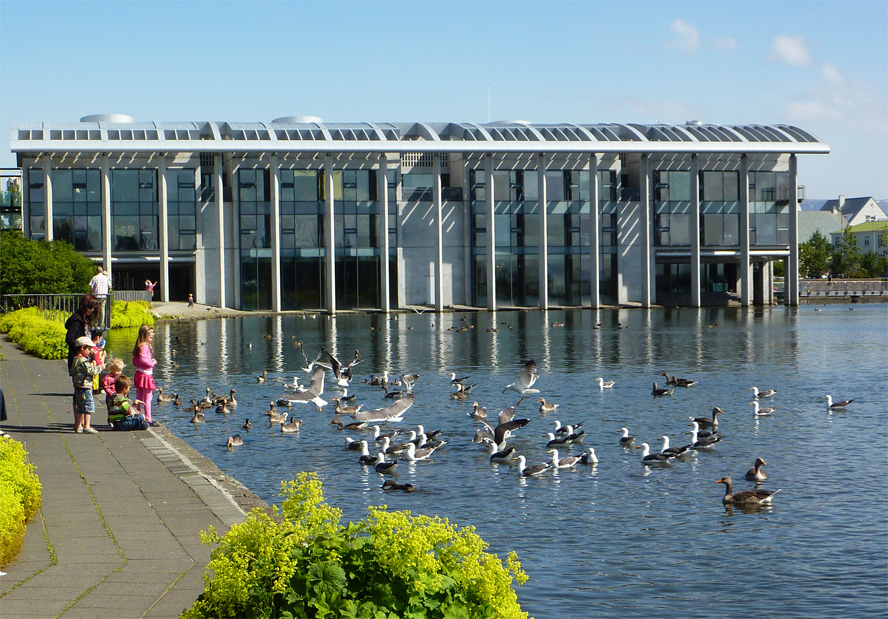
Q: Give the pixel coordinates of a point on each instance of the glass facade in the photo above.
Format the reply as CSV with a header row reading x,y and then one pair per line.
x,y
37,205
134,212
768,208
181,210
356,238
672,208
77,208
255,240
719,209
302,228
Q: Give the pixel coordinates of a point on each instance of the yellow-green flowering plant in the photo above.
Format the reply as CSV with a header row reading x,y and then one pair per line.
x,y
305,563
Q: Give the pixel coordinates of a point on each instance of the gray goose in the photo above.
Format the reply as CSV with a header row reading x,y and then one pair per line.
x,y
706,422
756,473
745,497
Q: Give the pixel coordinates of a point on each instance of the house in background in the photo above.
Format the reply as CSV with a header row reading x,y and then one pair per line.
x,y
855,210
870,235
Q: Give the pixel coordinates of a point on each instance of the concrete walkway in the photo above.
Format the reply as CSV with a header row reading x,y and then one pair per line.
x,y
117,535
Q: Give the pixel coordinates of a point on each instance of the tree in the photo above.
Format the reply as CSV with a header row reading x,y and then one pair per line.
x,y
41,267
815,255
874,264
846,257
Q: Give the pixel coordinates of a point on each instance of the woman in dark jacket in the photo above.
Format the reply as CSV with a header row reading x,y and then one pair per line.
x,y
80,324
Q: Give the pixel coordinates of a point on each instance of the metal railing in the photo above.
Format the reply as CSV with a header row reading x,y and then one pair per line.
x,y
843,288
60,306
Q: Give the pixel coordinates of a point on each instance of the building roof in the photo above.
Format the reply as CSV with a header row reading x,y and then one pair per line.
x,y
825,222
115,133
851,206
870,226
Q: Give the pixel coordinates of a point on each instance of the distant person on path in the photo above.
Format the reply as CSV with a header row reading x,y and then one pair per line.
x,y
144,364
150,288
190,300
124,413
115,368
99,286
79,324
82,371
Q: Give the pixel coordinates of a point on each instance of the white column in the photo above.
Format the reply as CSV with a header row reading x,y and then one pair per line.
x,y
329,236
791,280
106,214
745,266
491,241
595,231
274,174
695,231
163,230
439,226
220,221
645,204
47,197
544,232
382,199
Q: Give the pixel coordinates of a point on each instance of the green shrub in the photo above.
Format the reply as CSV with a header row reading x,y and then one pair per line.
x,y
19,497
41,267
34,334
131,314
390,565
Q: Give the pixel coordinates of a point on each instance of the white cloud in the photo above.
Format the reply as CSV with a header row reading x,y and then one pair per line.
x,y
723,44
790,50
843,102
688,39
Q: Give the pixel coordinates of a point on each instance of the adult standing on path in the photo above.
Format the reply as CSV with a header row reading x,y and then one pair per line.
x,y
80,323
100,286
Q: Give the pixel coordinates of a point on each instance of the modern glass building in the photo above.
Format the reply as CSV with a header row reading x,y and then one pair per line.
x,y
301,214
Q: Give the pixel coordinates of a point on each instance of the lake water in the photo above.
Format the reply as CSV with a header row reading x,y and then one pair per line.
x,y
619,539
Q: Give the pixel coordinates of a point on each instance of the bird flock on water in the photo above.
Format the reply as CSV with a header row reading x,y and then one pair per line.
x,y
383,448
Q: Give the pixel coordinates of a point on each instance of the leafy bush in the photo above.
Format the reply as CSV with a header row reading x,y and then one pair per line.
x,y
41,267
19,497
131,314
391,565
34,334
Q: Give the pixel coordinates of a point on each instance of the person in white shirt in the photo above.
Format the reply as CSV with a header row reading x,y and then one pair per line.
x,y
99,286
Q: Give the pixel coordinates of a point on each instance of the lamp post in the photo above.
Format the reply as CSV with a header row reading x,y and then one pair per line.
x,y
873,219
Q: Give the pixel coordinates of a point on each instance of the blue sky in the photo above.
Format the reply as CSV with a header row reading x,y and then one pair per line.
x,y
821,65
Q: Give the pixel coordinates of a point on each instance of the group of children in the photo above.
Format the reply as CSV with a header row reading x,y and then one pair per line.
x,y
87,366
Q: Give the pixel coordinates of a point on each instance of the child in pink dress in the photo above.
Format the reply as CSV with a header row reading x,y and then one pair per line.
x,y
144,364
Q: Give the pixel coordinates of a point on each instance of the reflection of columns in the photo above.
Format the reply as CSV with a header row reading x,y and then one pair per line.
x,y
439,229
220,220
382,199
595,231
163,234
791,279
106,214
47,197
491,241
695,231
745,266
542,209
274,173
645,232
329,236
